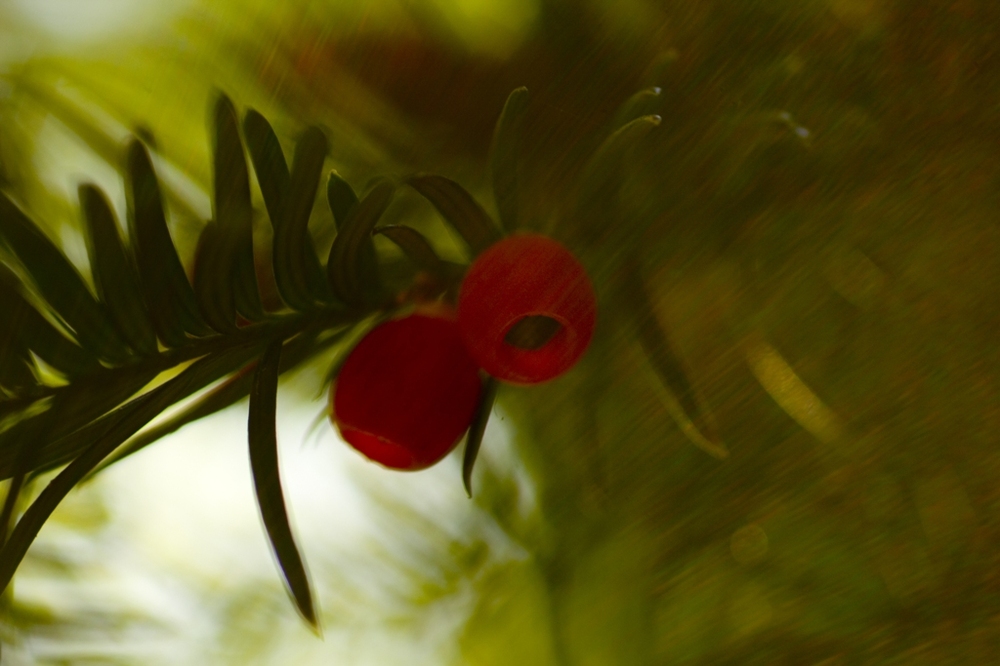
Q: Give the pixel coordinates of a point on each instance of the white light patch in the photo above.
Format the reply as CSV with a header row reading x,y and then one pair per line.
x,y
88,21
189,501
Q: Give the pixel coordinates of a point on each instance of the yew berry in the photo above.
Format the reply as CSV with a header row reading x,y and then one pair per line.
x,y
406,392
526,309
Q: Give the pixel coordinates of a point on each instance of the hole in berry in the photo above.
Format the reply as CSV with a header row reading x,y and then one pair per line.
x,y
532,332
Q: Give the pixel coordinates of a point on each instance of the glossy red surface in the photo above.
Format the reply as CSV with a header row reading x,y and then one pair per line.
x,y
521,276
407,392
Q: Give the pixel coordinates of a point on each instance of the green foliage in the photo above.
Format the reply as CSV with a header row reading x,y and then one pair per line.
x,y
459,209
115,276
294,255
169,296
267,481
225,248
89,415
346,267
210,330
199,322
417,248
59,283
503,162
101,437
25,329
811,229
476,431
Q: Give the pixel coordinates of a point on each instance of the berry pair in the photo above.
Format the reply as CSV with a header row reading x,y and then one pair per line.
x,y
409,390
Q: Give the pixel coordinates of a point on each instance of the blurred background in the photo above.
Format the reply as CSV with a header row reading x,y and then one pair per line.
x,y
814,221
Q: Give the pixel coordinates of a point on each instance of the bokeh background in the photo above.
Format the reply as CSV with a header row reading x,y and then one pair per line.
x,y
815,223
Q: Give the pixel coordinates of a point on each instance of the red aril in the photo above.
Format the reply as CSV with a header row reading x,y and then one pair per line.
x,y
407,392
526,309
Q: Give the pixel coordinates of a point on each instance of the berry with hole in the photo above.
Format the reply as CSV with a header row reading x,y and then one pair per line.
x,y
526,309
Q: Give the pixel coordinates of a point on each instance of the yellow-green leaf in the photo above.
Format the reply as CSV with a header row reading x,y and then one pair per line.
x,y
506,146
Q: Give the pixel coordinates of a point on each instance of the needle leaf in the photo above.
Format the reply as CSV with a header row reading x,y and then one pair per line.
x,y
60,283
506,145
115,276
267,479
171,300
476,431
459,209
234,216
103,437
345,267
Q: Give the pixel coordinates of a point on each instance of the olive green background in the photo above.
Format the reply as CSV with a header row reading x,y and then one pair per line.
x,y
815,219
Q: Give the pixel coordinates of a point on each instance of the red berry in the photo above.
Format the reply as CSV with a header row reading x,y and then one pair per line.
x,y
406,392
526,279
